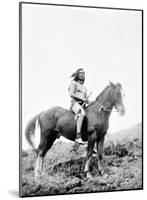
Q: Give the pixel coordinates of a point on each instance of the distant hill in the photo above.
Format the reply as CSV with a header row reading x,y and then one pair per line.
x,y
128,134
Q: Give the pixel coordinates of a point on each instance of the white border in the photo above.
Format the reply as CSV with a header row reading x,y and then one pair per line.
x,y
9,98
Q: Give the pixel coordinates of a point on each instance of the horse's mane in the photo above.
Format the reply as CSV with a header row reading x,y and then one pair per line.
x,y
102,92
108,86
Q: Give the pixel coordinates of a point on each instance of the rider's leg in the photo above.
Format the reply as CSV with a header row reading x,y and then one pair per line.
x,y
80,120
76,107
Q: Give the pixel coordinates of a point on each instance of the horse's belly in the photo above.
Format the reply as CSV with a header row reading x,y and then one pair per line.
x,y
67,127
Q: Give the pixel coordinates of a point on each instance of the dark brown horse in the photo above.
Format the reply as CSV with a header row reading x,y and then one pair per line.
x,y
58,121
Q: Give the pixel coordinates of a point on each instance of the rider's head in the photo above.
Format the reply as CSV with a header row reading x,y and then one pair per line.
x,y
79,75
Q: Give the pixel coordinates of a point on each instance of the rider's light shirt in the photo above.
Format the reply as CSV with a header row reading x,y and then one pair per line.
x,y
78,90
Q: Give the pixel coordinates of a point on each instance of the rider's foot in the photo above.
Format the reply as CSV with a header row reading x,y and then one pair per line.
x,y
80,141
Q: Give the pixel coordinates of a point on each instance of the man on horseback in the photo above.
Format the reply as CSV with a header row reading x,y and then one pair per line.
x,y
58,121
78,94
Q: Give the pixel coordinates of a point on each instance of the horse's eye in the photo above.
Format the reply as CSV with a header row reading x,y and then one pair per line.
x,y
119,94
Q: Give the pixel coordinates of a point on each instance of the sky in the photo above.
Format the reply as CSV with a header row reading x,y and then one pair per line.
x,y
57,40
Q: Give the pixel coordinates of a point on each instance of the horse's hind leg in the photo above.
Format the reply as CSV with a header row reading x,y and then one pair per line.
x,y
45,144
38,165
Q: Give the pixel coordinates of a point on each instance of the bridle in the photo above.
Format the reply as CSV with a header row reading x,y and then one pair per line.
x,y
101,107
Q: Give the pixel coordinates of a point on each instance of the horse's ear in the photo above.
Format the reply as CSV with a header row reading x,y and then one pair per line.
x,y
112,84
119,85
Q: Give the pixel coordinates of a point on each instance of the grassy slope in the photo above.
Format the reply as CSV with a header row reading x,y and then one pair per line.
x,y
64,166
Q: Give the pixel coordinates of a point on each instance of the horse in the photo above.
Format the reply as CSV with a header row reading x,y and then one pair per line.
x,y
58,121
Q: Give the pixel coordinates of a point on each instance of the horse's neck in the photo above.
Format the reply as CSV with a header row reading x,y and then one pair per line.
x,y
104,100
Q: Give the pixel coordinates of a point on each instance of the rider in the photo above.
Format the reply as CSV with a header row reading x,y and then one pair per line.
x,y
78,94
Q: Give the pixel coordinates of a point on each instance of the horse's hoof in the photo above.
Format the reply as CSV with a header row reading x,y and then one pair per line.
x,y
105,175
88,175
101,172
37,175
94,152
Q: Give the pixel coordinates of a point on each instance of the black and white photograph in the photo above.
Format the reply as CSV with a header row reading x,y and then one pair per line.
x,y
81,96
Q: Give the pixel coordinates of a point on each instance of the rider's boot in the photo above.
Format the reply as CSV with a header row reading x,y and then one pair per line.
x,y
79,139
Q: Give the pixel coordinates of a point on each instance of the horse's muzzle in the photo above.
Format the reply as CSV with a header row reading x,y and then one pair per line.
x,y
121,110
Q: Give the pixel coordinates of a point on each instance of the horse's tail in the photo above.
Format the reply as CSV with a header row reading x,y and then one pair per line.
x,y
32,132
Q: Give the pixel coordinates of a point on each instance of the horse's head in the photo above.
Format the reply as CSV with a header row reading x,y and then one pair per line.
x,y
117,96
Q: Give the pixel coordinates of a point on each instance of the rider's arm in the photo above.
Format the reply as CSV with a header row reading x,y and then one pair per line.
x,y
87,98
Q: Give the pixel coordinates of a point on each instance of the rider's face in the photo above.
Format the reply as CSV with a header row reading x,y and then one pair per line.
x,y
81,75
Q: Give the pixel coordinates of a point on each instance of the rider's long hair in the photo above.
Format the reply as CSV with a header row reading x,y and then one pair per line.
x,y
75,75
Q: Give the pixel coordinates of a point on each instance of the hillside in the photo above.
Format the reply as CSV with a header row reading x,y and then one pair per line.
x,y
64,167
130,133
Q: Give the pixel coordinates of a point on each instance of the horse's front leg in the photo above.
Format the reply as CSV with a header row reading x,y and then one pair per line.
x,y
100,144
91,143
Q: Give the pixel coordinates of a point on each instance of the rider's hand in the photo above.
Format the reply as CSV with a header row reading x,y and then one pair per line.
x,y
86,100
